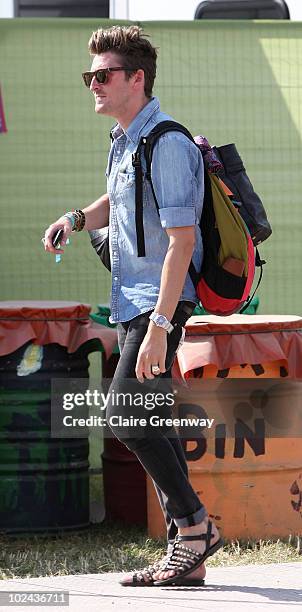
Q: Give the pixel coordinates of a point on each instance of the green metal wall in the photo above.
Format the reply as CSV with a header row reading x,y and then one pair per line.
x,y
233,81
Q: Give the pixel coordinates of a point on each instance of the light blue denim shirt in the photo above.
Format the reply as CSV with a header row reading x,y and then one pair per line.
x,y
177,176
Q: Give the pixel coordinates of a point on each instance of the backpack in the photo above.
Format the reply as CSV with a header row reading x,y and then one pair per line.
x,y
226,277
233,174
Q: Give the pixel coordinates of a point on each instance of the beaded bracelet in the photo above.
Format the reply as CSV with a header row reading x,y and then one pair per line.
x,y
70,216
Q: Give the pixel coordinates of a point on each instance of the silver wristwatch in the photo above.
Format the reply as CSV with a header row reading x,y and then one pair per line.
x,y
161,321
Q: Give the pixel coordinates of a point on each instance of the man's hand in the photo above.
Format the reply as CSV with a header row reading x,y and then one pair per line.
x,y
96,216
152,352
62,223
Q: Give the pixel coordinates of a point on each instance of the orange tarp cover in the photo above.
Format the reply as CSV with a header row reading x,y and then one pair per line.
x,y
241,339
64,323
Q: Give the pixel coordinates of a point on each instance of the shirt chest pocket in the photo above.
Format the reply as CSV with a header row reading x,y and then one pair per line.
x,y
125,179
125,189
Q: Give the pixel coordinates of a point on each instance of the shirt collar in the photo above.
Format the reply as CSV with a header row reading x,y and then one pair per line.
x,y
136,126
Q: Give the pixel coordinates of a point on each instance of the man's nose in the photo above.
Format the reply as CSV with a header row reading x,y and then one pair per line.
x,y
94,84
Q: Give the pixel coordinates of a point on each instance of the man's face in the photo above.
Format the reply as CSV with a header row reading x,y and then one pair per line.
x,y
116,95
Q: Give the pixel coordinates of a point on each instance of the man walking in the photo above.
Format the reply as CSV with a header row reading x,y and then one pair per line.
x,y
151,296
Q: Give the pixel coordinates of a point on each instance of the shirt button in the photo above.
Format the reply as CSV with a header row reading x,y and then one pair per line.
x,y
116,278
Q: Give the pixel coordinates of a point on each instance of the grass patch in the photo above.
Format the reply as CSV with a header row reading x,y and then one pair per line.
x,y
112,547
115,547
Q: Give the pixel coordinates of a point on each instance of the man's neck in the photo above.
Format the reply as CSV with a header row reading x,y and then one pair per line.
x,y
127,119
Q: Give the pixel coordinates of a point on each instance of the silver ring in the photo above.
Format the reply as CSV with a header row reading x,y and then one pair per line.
x,y
155,369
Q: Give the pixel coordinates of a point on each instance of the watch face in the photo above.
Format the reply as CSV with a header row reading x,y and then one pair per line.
x,y
161,319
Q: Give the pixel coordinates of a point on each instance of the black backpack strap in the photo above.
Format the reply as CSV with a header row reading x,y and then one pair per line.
x,y
139,221
259,263
147,143
161,128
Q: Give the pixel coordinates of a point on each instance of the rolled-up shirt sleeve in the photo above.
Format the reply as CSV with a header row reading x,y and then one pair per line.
x,y
176,165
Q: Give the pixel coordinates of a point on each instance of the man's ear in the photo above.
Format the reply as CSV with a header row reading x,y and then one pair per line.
x,y
139,78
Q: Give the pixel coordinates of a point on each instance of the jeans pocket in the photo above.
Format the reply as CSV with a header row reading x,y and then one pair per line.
x,y
175,340
182,339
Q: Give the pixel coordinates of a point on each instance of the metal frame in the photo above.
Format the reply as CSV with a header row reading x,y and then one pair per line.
x,y
241,4
55,4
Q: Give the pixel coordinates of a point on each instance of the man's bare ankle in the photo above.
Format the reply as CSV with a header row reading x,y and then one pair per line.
x,y
193,529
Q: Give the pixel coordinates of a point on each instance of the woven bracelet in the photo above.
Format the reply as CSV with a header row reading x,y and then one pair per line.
x,y
79,221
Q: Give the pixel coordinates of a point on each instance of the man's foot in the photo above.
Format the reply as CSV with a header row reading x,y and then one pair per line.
x,y
143,577
197,545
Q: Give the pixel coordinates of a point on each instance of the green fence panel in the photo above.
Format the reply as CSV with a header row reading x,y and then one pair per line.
x,y
233,81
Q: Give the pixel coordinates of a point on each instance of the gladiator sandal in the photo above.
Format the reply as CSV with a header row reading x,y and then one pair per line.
x,y
184,560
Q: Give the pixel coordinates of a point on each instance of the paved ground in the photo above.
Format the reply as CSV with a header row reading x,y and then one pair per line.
x,y
251,588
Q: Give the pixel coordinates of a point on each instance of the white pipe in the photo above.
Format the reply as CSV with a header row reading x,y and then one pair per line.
x,y
119,9
6,8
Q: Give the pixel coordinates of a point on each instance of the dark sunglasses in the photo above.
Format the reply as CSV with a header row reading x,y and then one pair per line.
x,y
102,74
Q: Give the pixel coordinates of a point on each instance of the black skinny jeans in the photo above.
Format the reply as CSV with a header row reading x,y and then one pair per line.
x,y
158,448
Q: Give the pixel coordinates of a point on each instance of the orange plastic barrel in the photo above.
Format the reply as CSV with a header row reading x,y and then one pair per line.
x,y
248,469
